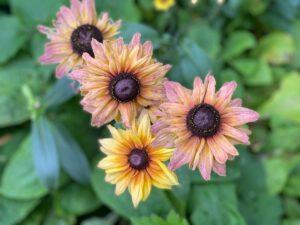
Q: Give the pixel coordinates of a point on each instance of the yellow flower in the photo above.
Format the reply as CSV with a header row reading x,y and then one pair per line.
x,y
132,162
163,5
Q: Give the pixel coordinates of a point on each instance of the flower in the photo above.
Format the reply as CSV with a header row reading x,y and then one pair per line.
x,y
121,80
72,34
131,161
203,125
163,5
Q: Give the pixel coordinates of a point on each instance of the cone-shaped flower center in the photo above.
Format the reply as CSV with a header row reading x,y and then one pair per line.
x,y
203,120
138,159
82,36
124,87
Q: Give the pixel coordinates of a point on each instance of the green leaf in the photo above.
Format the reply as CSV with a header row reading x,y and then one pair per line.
x,y
109,220
23,71
291,222
148,33
292,207
285,102
206,37
118,9
293,184
45,153
71,156
53,218
193,62
172,219
78,199
237,43
34,12
296,38
19,178
14,211
61,92
277,171
215,205
255,72
36,217
276,48
156,203
12,39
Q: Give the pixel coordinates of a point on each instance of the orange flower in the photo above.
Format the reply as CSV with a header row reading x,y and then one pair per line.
x,y
72,35
120,80
203,125
132,162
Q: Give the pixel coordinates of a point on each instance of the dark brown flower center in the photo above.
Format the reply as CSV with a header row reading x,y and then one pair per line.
x,y
138,159
203,120
124,87
82,36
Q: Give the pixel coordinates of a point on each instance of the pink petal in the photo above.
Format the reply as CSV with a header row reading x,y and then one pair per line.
x,y
210,84
170,91
75,7
104,114
206,161
148,48
62,69
88,11
217,151
128,113
234,133
224,95
237,116
225,145
236,102
178,159
198,90
219,169
78,75
66,16
136,39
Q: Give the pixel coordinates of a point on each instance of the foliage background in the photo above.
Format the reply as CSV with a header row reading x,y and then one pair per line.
x,y
43,128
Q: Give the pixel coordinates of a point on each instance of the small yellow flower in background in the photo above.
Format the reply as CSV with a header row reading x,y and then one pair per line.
x,y
73,31
132,162
163,5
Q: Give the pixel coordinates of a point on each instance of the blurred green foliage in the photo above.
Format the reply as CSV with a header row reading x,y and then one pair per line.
x,y
254,42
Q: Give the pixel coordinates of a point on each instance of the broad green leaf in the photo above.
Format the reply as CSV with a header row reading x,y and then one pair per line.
x,y
148,33
256,72
282,137
277,171
14,211
71,156
285,102
296,38
55,218
172,219
119,9
45,152
9,148
12,38
22,71
77,199
19,180
36,217
34,12
215,205
255,203
156,203
293,184
194,61
108,220
237,43
292,207
206,37
291,222
276,48
60,92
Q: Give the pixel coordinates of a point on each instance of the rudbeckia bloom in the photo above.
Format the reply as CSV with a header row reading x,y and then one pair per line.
x,y
203,125
163,5
72,34
120,80
132,162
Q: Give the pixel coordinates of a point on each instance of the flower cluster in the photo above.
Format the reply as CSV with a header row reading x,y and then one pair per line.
x,y
163,120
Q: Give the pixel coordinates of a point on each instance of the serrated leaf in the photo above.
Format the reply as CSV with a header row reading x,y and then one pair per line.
x,y
45,153
19,180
